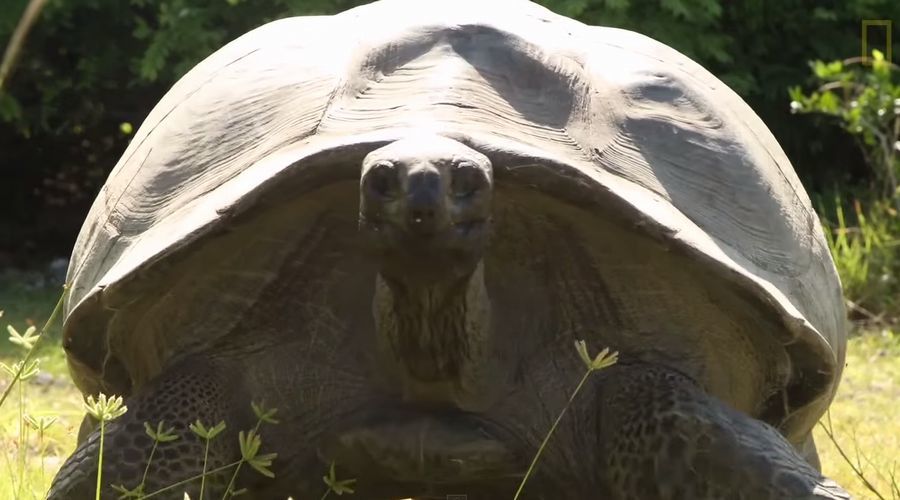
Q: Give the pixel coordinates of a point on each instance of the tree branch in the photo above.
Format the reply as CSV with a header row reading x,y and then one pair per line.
x,y
17,41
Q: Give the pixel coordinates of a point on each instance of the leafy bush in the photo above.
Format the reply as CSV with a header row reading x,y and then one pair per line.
x,y
866,99
863,96
866,249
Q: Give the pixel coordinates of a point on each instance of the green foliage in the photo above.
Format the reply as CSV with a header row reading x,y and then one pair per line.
x,y
104,409
866,100
27,367
93,47
859,447
863,96
866,252
89,73
338,486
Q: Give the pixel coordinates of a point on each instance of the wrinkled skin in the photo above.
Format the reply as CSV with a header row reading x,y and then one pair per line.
x,y
442,427
426,213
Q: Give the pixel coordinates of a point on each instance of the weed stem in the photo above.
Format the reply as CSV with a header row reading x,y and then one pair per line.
x,y
550,433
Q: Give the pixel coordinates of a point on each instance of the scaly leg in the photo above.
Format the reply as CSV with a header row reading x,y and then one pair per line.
x,y
193,389
663,437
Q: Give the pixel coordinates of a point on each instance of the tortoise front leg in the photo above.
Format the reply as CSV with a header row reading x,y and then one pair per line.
x,y
193,389
663,438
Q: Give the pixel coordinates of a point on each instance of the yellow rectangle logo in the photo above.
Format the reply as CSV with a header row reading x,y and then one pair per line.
x,y
866,24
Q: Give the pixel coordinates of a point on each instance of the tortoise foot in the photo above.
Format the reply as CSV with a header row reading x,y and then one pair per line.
x,y
663,437
422,447
192,390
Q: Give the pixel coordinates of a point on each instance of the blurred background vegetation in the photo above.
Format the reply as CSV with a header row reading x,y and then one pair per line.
x,y
91,70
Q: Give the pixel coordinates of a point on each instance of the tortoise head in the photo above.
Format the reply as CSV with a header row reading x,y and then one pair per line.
x,y
425,207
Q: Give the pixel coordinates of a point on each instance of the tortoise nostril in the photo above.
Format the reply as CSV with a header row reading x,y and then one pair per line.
x,y
381,179
423,214
424,199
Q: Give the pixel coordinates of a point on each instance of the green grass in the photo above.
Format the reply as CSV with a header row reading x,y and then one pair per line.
x,y
62,401
23,307
51,394
864,413
864,416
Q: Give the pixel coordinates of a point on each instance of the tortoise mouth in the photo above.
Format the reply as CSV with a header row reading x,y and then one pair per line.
x,y
467,233
453,249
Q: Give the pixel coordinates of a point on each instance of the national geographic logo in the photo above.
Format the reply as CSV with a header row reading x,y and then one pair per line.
x,y
876,24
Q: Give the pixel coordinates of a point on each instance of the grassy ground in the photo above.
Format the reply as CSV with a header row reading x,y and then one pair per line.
x,y
864,415
50,394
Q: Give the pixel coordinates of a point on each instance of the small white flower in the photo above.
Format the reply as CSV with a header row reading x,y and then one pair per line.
x,y
796,106
105,408
881,111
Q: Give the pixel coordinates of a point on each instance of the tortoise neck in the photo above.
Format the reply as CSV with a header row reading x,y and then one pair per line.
x,y
435,336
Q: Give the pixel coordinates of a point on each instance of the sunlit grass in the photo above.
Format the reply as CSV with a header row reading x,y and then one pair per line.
x,y
61,400
865,416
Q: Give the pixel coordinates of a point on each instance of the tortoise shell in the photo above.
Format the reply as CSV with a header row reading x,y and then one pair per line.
x,y
638,200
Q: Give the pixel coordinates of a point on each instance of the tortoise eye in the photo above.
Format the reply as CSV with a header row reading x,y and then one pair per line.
x,y
466,179
381,179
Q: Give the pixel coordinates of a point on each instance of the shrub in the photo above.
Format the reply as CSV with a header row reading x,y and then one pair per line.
x,y
863,96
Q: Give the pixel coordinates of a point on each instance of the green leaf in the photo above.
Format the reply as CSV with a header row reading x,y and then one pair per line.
x,y
160,434
603,359
261,464
10,111
26,340
678,8
249,444
572,8
828,102
581,347
125,493
199,429
40,424
617,4
207,433
824,14
264,414
338,486
25,372
217,429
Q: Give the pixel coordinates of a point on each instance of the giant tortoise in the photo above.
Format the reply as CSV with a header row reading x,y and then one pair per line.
x,y
391,225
